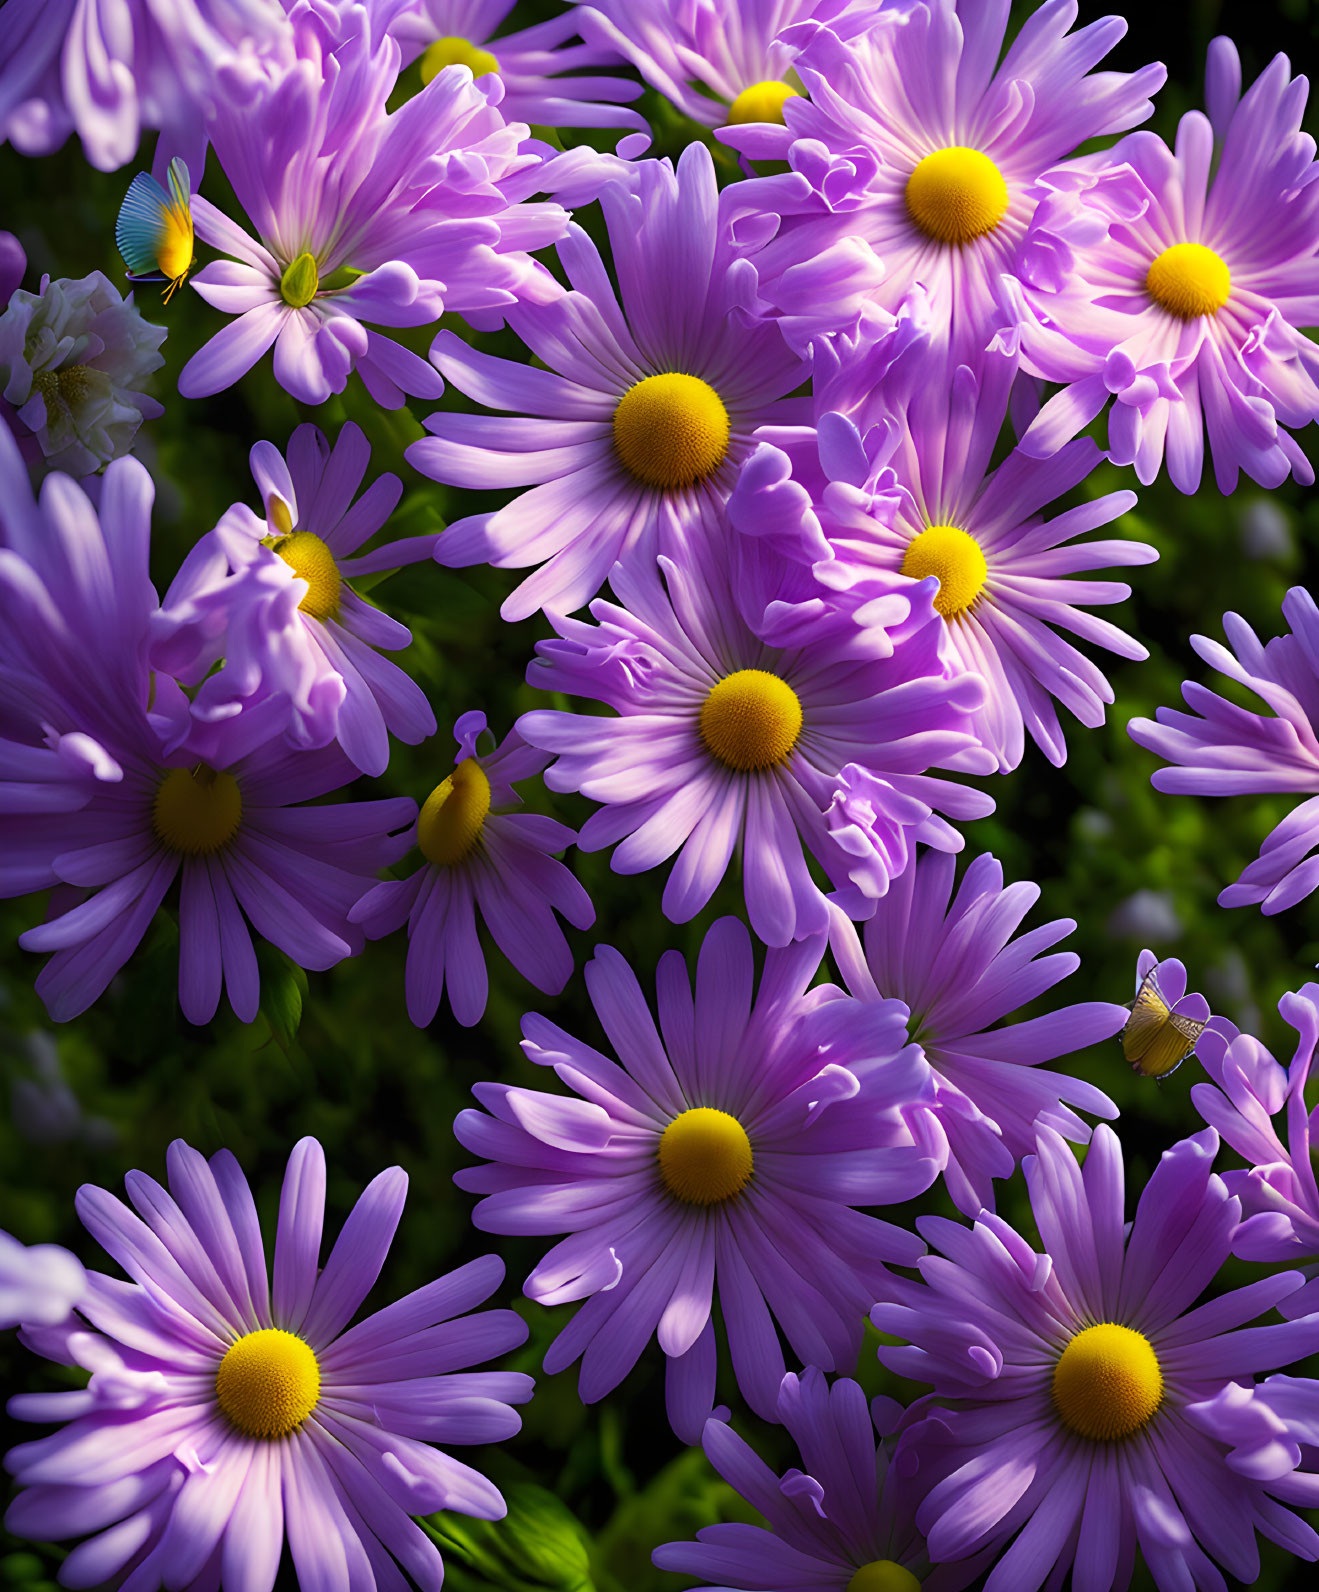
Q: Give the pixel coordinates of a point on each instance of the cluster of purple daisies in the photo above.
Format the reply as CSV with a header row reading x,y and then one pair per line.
x,y
753,467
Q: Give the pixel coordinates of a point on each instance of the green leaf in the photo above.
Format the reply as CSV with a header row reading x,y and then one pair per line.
x,y
283,985
539,1546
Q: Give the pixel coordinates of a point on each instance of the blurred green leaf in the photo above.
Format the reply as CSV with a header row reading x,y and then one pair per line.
x,y
539,1546
283,986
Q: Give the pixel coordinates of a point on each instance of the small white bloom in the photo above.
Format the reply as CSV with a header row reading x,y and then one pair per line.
x,y
70,357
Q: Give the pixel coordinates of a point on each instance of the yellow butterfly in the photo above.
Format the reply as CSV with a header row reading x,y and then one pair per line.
x,y
1157,1037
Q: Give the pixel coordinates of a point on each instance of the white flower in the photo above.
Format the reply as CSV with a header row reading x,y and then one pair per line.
x,y
70,357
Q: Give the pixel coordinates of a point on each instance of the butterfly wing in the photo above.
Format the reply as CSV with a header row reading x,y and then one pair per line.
x,y
180,185
175,248
1188,1031
1166,1051
1149,1017
138,231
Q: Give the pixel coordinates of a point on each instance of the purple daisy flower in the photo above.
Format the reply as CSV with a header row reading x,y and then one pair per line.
x,y
1166,1021
530,62
1182,296
248,857
729,735
719,63
954,964
106,69
1093,1401
270,596
635,432
74,585
707,1157
1278,1193
918,142
39,1285
362,216
901,487
840,1524
1225,750
481,854
226,1412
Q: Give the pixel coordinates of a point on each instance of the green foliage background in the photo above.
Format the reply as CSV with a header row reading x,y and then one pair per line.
x,y
591,1491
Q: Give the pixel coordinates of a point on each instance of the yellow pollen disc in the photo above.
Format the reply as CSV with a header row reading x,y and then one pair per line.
x,y
455,51
956,195
454,814
1107,1383
301,279
704,1156
883,1575
955,557
197,810
68,387
268,1383
1189,280
671,430
311,560
751,720
762,102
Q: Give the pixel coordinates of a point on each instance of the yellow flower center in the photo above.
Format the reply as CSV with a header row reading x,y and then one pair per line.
x,y
955,557
956,195
671,430
197,810
454,814
762,102
751,720
704,1156
268,1383
452,50
1189,280
301,279
1107,1383
62,387
883,1575
311,560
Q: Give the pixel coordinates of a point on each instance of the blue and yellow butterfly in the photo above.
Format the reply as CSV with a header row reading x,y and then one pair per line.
x,y
154,229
